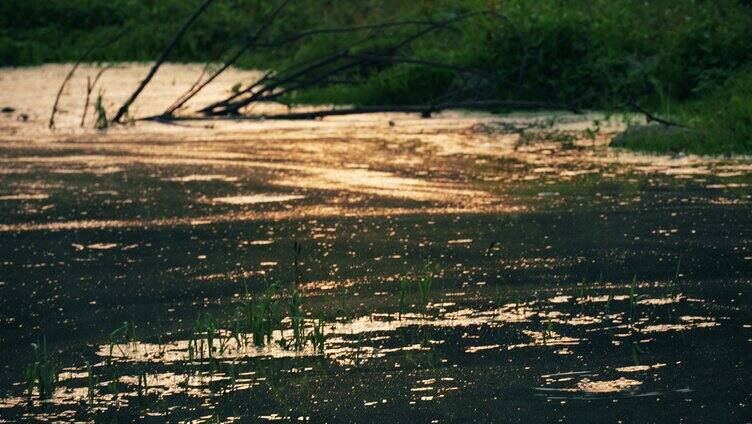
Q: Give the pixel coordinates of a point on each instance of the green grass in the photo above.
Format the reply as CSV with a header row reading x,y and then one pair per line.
x,y
259,318
424,280
717,124
41,374
42,377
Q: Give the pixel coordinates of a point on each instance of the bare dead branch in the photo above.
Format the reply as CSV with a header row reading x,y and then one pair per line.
x,y
160,60
270,76
298,84
423,110
652,118
288,40
183,97
391,59
249,43
322,31
229,106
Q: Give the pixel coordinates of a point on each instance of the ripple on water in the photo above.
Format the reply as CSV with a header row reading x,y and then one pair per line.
x,y
251,199
25,196
203,178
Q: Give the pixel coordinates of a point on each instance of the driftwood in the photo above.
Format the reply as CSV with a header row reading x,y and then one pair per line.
x,y
423,110
161,59
75,67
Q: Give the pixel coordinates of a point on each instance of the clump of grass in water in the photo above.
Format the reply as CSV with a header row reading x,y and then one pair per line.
x,y
257,318
208,326
143,388
102,122
90,384
114,388
317,335
672,289
632,299
425,281
404,292
547,331
636,353
125,334
42,373
260,315
296,319
520,295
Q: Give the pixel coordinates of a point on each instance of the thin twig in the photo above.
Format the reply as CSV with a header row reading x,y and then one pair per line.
x,y
75,66
391,59
652,118
89,88
182,98
230,107
323,31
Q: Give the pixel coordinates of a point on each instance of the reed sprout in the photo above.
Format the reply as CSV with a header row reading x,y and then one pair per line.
x,y
42,373
632,299
425,281
317,335
404,291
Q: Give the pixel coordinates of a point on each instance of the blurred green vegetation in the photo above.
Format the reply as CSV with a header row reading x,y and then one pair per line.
x,y
686,59
717,123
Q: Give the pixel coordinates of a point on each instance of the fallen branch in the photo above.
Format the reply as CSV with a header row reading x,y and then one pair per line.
x,y
652,118
162,57
318,61
356,60
290,39
231,106
250,42
271,79
423,110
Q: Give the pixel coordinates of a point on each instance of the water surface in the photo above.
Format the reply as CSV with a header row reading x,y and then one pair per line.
x,y
568,281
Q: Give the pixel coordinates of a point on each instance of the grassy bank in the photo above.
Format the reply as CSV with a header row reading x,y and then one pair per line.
x,y
691,55
716,124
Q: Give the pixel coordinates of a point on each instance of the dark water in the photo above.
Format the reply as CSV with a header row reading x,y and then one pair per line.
x,y
563,287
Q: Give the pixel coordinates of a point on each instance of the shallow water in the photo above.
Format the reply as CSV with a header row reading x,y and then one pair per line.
x,y
567,282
